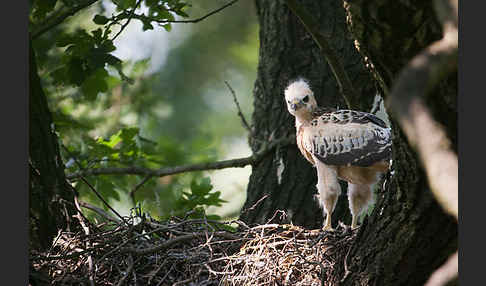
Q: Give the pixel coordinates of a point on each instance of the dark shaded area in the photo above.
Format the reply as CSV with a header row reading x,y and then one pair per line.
x,y
48,189
287,52
408,235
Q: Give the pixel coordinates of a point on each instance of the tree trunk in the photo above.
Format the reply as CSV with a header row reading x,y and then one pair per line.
x,y
48,190
287,51
408,235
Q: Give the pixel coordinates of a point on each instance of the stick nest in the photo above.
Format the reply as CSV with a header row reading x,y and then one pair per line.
x,y
193,252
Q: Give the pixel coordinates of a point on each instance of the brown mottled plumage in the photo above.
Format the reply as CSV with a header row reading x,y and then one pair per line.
x,y
350,145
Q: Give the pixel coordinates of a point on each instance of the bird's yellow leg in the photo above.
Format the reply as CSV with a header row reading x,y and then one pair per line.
x,y
354,222
329,202
329,190
327,226
359,197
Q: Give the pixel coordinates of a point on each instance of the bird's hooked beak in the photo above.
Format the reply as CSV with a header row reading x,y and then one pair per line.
x,y
296,104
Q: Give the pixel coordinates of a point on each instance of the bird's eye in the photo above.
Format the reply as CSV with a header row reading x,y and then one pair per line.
x,y
305,99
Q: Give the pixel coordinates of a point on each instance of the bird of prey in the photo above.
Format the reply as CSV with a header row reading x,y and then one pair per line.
x,y
343,144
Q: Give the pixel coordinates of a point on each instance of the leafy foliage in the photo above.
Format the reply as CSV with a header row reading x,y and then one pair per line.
x,y
87,55
200,196
110,113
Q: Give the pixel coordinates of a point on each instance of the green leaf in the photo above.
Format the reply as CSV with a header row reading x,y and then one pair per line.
x,y
140,66
167,27
150,3
64,40
65,120
106,188
147,25
107,46
112,82
100,19
114,140
124,4
95,83
97,35
112,60
182,13
42,7
129,133
75,72
98,148
59,75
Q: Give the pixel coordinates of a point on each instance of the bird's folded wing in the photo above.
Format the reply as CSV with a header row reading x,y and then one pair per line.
x,y
348,138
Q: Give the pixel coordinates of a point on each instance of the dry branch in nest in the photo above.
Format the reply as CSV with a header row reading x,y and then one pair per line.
x,y
289,255
193,252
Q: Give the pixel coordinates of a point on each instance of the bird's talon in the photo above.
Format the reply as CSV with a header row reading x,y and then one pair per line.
x,y
328,228
334,142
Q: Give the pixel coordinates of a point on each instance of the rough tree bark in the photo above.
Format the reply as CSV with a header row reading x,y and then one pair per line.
x,y
48,190
287,51
408,235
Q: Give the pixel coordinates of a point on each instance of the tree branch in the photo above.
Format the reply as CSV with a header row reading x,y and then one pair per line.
x,y
102,199
233,163
192,20
58,18
345,86
240,114
179,239
61,15
99,211
138,186
128,20
422,131
446,272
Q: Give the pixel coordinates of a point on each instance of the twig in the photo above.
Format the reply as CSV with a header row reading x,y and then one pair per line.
x,y
59,18
102,199
282,213
138,186
128,20
233,163
166,274
186,281
192,20
98,211
351,97
254,205
128,271
240,114
86,231
318,263
62,257
346,270
179,239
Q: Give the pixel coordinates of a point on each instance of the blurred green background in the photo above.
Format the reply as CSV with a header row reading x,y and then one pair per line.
x,y
177,111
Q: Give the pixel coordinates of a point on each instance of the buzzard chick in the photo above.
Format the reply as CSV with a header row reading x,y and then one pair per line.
x,y
349,145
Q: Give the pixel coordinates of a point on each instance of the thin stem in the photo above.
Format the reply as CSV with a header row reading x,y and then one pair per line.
x,y
240,114
128,20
